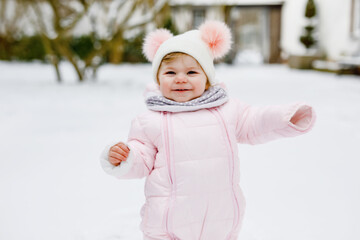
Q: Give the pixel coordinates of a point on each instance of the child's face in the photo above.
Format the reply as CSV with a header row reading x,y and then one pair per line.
x,y
182,79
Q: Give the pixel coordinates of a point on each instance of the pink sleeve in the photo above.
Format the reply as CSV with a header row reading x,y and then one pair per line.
x,y
258,125
141,157
143,151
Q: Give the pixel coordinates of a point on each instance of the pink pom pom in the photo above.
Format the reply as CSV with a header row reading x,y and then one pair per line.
x,y
153,41
217,36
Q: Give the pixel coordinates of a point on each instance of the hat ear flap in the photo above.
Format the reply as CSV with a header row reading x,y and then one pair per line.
x,y
217,36
153,41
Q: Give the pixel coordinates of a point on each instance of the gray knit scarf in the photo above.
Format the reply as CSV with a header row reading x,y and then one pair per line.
x,y
213,97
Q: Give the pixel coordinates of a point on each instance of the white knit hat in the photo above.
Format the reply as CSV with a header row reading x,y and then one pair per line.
x,y
211,41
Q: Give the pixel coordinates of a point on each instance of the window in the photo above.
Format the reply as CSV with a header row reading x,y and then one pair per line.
x,y
199,17
355,18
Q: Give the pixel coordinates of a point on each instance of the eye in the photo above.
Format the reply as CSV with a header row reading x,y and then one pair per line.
x,y
192,72
170,73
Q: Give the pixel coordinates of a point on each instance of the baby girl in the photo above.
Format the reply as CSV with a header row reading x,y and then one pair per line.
x,y
186,143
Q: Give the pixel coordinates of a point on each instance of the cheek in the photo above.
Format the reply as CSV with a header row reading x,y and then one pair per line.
x,y
165,87
201,85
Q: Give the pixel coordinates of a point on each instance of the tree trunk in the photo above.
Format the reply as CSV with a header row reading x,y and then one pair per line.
x,y
54,60
63,47
116,51
57,70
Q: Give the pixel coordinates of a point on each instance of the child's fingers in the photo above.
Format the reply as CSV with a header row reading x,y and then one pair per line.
x,y
121,157
114,161
119,150
123,147
118,153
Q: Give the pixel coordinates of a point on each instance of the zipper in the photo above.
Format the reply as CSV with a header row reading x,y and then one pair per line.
x,y
220,118
167,146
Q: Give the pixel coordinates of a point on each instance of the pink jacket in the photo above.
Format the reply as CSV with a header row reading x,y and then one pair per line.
x,y
190,161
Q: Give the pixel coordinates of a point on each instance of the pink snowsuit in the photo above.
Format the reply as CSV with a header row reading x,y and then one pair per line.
x,y
190,161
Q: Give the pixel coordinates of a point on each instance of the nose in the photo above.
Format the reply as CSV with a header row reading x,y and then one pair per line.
x,y
181,78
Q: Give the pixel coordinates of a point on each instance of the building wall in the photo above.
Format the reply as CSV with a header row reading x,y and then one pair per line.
x,y
182,18
255,28
334,20
216,12
335,34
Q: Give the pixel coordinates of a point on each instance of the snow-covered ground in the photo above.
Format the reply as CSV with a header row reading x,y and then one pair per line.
x,y
51,135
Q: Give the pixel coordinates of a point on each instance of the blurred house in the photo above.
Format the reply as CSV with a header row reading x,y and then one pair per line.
x,y
256,25
272,28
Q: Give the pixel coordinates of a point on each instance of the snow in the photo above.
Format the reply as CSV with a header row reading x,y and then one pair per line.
x,y
248,56
51,136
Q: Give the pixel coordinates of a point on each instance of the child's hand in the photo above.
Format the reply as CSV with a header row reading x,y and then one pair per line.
x,y
118,153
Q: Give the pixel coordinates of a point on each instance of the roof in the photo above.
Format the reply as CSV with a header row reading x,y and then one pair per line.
x,y
226,2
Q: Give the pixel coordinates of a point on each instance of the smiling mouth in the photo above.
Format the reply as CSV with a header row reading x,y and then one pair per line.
x,y
181,90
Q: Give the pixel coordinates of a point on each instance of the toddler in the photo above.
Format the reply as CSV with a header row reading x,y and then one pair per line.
x,y
186,144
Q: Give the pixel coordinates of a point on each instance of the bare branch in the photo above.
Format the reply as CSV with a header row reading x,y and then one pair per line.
x,y
113,17
149,16
118,17
10,21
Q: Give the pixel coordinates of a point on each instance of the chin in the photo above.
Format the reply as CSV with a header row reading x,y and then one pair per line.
x,y
182,100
